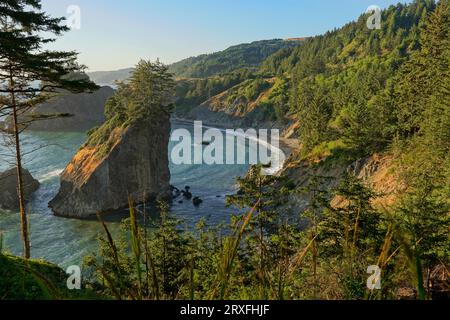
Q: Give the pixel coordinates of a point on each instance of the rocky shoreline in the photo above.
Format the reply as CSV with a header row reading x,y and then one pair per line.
x,y
289,146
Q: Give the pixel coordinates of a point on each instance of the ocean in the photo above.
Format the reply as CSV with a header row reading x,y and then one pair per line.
x,y
67,241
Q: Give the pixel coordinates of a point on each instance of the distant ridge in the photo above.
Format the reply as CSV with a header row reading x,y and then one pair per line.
x,y
296,39
245,55
110,77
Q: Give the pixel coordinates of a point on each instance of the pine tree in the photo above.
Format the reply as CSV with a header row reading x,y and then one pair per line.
x,y
314,111
24,61
351,232
423,76
264,194
423,210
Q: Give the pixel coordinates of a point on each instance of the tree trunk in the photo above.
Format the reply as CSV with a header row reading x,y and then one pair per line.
x,y
261,243
419,271
20,186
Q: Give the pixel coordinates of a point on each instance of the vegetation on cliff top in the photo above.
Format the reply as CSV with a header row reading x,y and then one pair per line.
x,y
147,96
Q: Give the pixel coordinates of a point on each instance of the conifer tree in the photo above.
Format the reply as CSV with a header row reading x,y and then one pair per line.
x,y
423,210
25,61
423,76
264,194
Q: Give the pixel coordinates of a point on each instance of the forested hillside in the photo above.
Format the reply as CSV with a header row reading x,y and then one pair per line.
x,y
248,55
345,85
239,58
340,86
371,110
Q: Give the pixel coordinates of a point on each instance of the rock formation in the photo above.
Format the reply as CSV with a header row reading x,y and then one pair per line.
x,y
376,171
86,111
136,165
9,200
127,158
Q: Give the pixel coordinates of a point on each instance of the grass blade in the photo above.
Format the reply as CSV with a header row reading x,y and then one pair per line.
x,y
136,245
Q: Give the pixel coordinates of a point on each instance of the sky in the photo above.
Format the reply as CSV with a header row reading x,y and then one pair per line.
x,y
115,34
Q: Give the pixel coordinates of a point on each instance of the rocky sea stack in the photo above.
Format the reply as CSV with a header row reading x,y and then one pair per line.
x,y
9,199
128,155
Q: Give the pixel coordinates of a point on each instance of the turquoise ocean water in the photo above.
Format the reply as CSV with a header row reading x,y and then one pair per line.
x,y
67,241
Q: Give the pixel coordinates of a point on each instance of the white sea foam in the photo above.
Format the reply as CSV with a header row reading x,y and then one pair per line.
x,y
49,175
258,148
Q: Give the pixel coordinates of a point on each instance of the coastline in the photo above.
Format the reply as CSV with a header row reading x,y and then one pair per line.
x,y
287,145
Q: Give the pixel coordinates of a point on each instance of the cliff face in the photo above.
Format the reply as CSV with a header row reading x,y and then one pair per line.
x,y
87,110
9,200
135,164
376,171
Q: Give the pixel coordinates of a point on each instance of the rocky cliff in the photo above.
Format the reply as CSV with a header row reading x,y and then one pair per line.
x,y
86,111
9,200
377,172
133,162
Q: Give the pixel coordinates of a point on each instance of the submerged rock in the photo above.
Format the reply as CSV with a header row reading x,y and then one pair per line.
x,y
187,193
9,199
175,192
197,201
132,162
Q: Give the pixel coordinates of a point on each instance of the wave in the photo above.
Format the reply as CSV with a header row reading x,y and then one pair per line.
x,y
277,158
49,175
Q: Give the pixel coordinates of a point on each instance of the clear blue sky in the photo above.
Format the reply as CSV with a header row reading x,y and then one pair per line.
x,y
115,34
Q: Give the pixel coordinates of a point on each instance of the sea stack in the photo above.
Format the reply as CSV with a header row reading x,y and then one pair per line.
x,y
127,156
9,199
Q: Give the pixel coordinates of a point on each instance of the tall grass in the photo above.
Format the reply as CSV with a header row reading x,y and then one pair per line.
x,y
299,257
228,255
135,240
332,258
118,292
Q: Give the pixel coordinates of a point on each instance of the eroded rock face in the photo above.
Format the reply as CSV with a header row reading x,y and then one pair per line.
x,y
375,171
86,110
9,200
136,164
